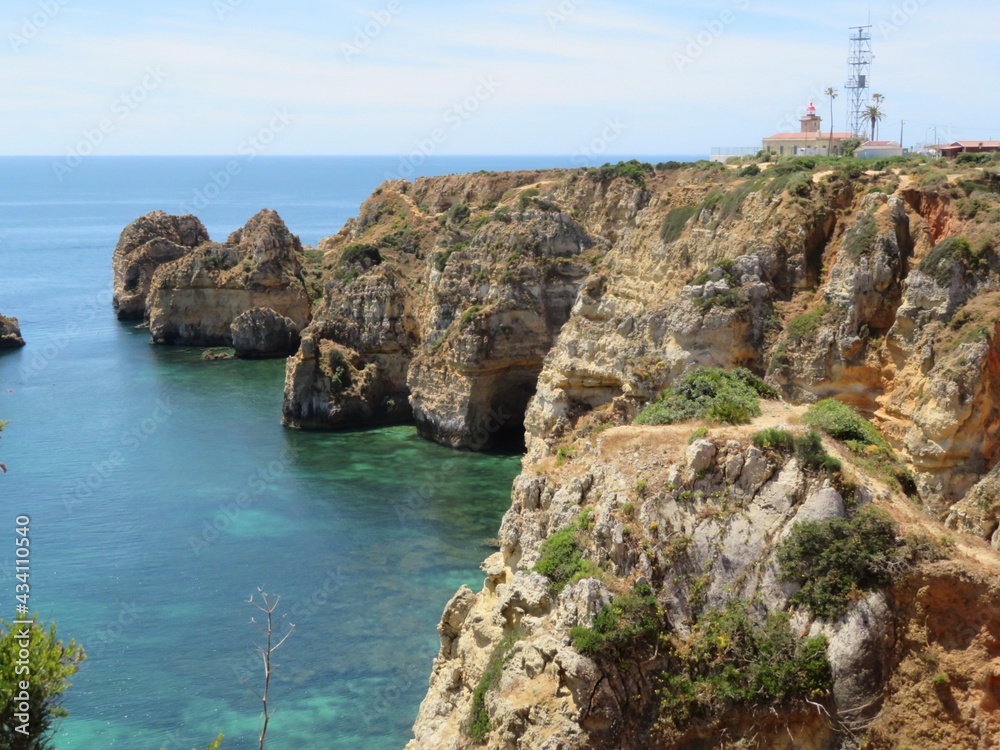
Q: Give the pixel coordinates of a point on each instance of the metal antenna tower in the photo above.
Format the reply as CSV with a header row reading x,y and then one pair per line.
x,y
859,63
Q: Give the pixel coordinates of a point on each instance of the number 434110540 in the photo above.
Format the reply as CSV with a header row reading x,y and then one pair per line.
x,y
22,555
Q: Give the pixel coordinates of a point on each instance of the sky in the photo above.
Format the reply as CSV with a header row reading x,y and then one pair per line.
x,y
554,77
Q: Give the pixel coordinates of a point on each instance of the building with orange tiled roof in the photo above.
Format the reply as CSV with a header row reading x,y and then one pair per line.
x,y
970,147
809,141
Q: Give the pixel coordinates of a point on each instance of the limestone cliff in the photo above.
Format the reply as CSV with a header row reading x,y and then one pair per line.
x,y
877,289
10,333
146,244
194,299
442,301
700,524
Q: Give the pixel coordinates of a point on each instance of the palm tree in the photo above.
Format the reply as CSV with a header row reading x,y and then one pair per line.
x,y
873,114
832,93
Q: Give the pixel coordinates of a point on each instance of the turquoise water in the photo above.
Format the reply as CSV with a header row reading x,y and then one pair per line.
x,y
163,490
125,455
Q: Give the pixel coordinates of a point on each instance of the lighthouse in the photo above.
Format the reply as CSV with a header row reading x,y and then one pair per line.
x,y
810,121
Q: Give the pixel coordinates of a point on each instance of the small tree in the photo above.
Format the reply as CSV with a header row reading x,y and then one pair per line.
x,y
874,113
35,683
271,628
831,92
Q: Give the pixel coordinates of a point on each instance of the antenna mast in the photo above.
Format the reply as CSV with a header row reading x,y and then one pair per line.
x,y
859,63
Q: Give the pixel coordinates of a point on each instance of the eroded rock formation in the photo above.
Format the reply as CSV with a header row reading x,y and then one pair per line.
x,y
10,333
190,290
261,333
443,318
146,244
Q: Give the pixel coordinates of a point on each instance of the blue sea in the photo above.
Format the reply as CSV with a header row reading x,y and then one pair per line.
x,y
162,490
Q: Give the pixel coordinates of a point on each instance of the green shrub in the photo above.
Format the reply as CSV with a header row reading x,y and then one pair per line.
x,y
468,315
441,259
620,625
479,726
972,159
524,200
360,254
941,680
561,560
842,422
633,169
948,253
811,454
804,326
403,239
751,170
774,439
709,393
52,663
860,237
731,659
675,221
699,434
458,214
835,559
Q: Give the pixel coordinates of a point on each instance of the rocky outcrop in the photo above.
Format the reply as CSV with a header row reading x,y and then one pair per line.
x,y
10,333
834,287
261,333
146,244
700,525
194,300
442,318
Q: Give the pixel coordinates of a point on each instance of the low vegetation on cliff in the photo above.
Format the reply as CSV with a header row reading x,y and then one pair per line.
x,y
710,394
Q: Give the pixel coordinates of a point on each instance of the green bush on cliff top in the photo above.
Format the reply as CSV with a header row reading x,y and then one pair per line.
x,y
842,422
730,396
834,560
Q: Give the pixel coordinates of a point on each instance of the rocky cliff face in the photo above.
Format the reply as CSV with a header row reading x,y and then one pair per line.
x,y
10,333
700,524
442,301
146,244
877,290
191,291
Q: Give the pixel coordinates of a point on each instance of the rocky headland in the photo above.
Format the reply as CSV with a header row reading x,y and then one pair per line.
x,y
561,303
809,561
10,333
250,292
